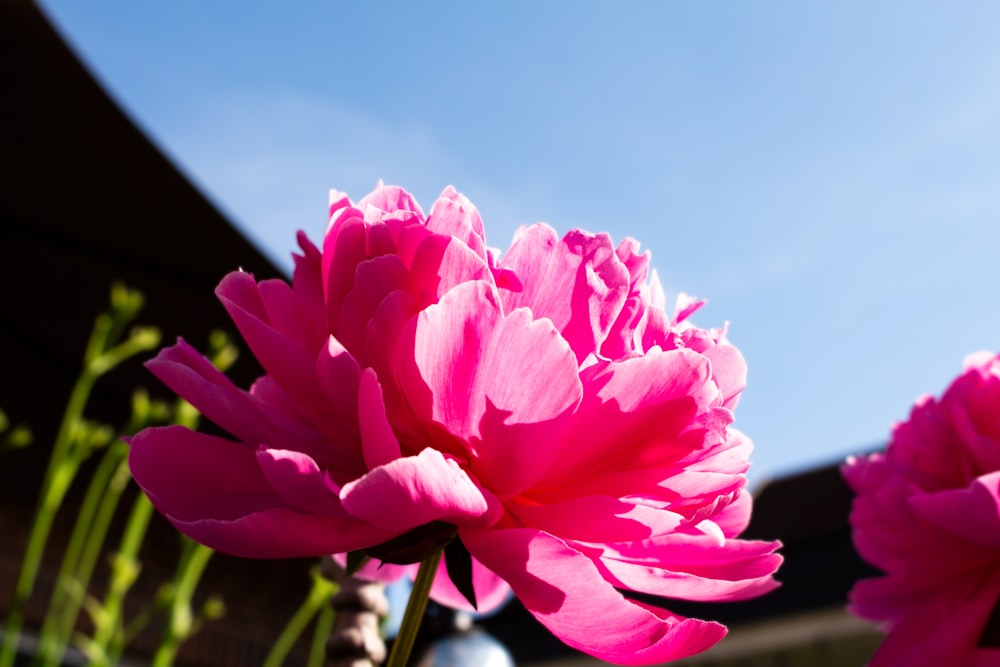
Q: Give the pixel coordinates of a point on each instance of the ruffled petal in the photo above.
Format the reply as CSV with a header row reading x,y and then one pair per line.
x,y
944,629
298,480
379,442
454,215
503,385
972,513
289,363
693,567
282,534
564,590
192,475
416,490
607,519
579,283
192,376
214,491
635,413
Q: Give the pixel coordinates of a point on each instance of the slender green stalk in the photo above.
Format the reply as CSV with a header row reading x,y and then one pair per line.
x,y
414,613
318,598
72,446
109,636
81,555
321,633
58,477
181,623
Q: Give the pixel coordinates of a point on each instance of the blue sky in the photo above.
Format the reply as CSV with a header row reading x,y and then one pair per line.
x,y
827,175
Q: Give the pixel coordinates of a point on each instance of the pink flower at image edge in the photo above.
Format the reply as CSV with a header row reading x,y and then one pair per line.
x,y
927,513
540,404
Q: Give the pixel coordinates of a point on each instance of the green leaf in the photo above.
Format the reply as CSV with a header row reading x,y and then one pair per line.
x,y
355,560
458,561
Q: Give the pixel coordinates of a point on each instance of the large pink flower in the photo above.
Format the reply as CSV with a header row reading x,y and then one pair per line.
x,y
927,514
542,405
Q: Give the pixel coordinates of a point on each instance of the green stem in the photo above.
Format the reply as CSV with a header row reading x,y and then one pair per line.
x,y
82,551
414,614
324,626
319,595
67,454
181,623
109,636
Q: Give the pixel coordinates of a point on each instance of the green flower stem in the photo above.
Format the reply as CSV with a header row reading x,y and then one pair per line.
x,y
81,555
59,478
414,614
181,624
318,598
109,636
59,474
324,626
72,446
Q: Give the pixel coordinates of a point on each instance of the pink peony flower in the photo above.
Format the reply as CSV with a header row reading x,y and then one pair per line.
x,y
927,513
541,406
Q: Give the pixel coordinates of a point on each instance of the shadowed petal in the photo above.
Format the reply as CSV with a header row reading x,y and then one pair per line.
x,y
298,480
972,513
290,364
192,376
379,443
502,384
214,491
282,534
191,475
564,590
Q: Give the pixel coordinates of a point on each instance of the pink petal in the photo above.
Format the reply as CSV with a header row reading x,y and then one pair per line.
x,y
191,475
338,374
416,490
944,629
729,371
282,533
579,283
389,199
193,377
282,357
287,314
634,414
454,215
307,282
440,263
735,517
214,491
344,248
564,590
379,442
374,279
693,567
298,480
972,513
491,590
383,332
607,519
501,384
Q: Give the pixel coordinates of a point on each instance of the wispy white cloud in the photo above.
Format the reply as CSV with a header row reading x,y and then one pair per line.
x,y
269,160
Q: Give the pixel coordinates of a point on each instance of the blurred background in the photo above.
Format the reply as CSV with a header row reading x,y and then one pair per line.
x,y
826,175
